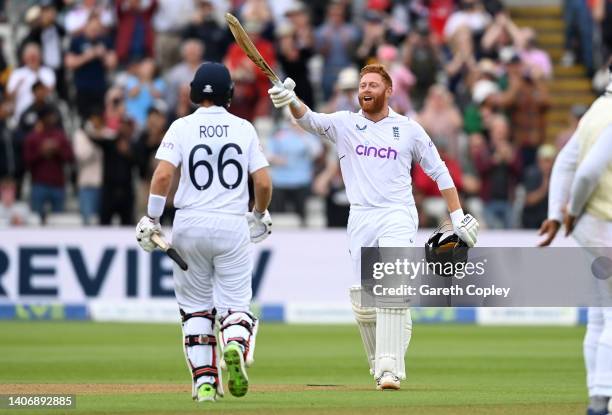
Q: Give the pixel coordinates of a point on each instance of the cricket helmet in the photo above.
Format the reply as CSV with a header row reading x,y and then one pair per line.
x,y
445,247
212,81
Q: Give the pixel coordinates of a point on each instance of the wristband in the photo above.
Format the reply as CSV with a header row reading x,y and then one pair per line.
x,y
156,205
258,215
456,216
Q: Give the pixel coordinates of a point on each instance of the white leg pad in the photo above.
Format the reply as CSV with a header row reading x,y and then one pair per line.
x,y
241,327
407,330
391,341
366,321
201,355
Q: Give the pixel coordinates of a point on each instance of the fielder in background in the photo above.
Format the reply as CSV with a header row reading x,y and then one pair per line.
x,y
216,152
580,196
376,148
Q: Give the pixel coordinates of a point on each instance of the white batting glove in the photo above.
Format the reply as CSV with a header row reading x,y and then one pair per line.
x,y
260,225
145,228
283,95
465,227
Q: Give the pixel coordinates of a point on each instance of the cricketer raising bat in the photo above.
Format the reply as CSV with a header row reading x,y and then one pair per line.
x,y
171,252
245,43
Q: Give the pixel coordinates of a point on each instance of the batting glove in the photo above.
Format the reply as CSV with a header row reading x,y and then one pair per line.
x,y
283,95
465,227
145,228
260,225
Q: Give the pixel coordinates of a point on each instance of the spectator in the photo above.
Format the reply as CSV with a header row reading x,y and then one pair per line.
x,y
250,84
373,36
79,15
578,32
29,118
291,152
471,14
258,11
574,116
527,102
142,91
145,148
117,179
171,18
184,106
182,73
499,168
501,33
345,96
293,56
89,57
114,108
46,153
9,155
438,14
536,60
485,96
135,37
403,80
422,57
298,17
441,119
537,178
602,14
12,211
335,40
49,36
89,159
205,28
22,79
461,65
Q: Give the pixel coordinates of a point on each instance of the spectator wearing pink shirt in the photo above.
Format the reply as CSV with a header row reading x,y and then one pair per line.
x,y
537,60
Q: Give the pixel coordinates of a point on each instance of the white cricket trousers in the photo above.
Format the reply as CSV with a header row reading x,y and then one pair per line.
x,y
217,249
591,232
379,227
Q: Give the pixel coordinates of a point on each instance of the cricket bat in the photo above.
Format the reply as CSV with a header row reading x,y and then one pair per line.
x,y
246,44
171,252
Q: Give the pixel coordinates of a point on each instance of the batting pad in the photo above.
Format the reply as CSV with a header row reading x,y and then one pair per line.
x,y
366,321
202,353
391,341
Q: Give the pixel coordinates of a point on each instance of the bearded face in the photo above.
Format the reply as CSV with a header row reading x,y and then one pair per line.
x,y
373,93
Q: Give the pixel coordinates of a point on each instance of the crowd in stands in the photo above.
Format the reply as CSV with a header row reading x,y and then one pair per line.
x,y
94,85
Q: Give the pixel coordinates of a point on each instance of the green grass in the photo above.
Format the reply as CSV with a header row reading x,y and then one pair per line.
x,y
452,369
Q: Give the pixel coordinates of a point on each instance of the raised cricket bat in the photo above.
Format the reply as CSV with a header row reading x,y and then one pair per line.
x,y
246,44
171,252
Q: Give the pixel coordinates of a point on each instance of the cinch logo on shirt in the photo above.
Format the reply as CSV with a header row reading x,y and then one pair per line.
x,y
381,153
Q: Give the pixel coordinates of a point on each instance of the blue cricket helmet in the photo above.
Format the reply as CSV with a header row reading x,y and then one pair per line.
x,y
212,81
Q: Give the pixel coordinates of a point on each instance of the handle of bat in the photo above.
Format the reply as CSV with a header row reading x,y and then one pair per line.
x,y
160,242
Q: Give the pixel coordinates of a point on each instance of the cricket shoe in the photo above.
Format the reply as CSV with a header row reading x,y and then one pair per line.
x,y
234,360
207,393
387,381
592,412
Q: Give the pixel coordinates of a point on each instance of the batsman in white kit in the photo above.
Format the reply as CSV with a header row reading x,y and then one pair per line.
x,y
580,197
215,152
376,148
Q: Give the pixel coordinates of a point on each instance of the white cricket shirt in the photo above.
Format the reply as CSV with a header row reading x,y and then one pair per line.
x,y
216,152
376,157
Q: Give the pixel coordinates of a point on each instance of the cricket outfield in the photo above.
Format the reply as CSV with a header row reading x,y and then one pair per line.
x,y
299,369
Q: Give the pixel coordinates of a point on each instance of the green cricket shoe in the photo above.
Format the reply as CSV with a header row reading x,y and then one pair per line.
x,y
238,380
207,393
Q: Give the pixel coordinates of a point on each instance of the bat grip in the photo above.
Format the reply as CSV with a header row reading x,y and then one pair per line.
x,y
171,252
